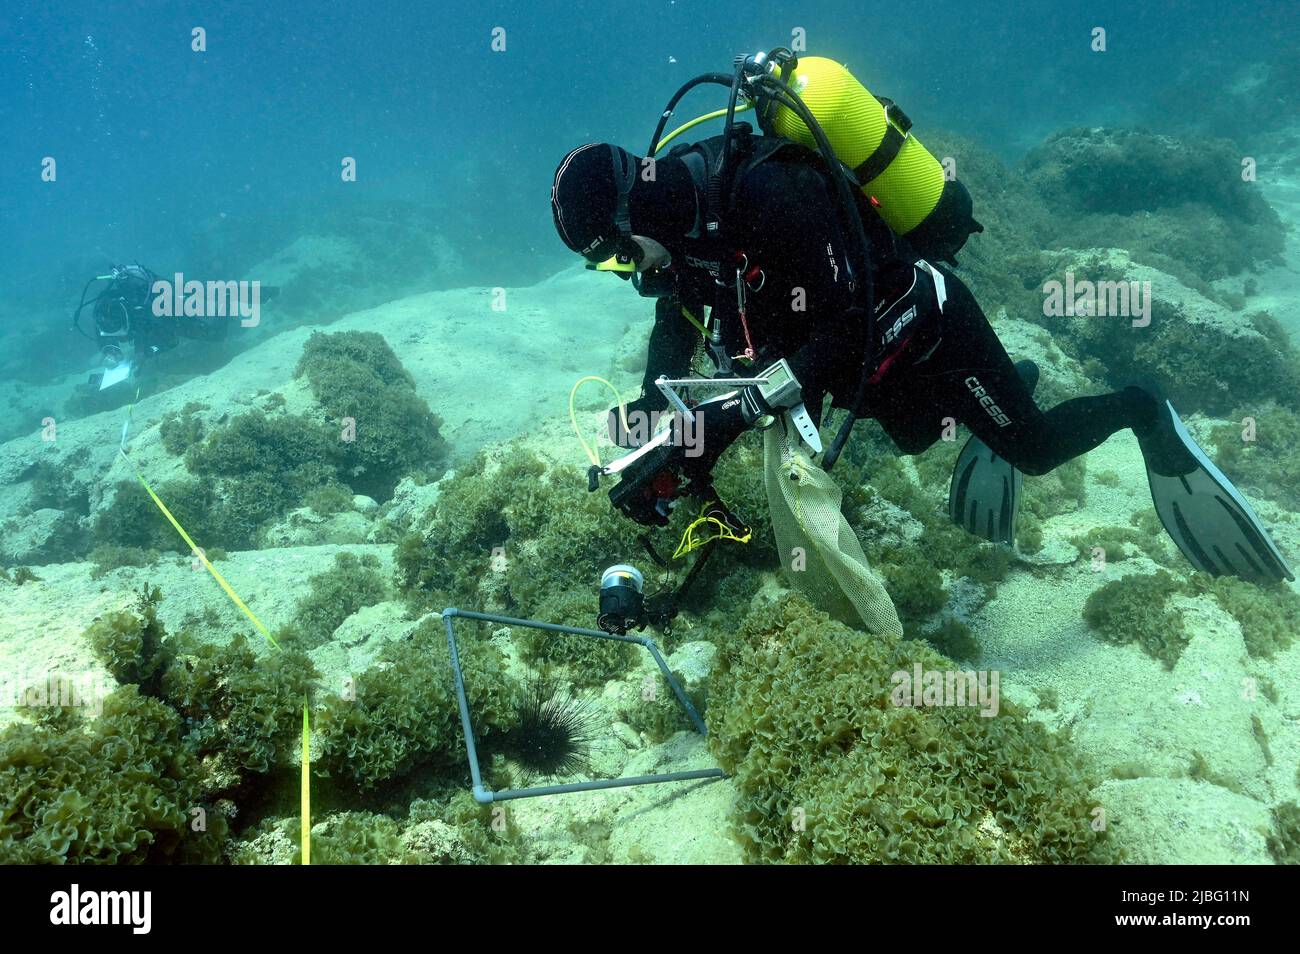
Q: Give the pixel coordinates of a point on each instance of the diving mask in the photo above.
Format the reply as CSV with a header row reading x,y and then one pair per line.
x,y
636,253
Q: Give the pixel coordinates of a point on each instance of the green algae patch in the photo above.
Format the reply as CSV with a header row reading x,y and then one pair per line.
x,y
1135,609
402,714
1269,616
389,430
119,789
828,769
1284,839
370,430
352,583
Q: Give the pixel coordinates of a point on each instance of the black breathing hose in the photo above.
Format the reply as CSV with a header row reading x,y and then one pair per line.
x,y
862,281
720,79
76,315
865,293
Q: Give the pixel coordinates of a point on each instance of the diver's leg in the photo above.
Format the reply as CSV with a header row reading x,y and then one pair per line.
x,y
1209,520
974,381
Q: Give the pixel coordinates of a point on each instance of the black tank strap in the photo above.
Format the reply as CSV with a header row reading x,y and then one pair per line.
x,y
896,129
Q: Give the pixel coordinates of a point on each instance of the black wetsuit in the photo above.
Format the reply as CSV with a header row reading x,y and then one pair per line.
x,y
124,312
784,219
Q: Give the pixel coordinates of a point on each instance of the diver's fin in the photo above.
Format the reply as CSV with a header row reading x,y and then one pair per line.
x,y
984,496
1206,516
985,493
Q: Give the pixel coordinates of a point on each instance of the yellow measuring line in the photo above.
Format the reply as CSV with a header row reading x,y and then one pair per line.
x,y
198,552
252,618
306,789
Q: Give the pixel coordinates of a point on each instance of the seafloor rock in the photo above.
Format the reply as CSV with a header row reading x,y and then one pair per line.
x,y
666,823
1196,719
358,640
1054,552
682,822
1103,169
411,501
1180,206
890,525
436,840
1196,753
44,536
627,735
1249,94
692,663
272,847
1208,358
43,625
1185,199
306,528
1162,821
445,340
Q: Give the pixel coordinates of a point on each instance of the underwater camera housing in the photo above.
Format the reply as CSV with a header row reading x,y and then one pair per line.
x,y
624,605
622,599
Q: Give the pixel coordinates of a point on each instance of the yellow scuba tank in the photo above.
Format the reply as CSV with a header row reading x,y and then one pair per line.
x,y
873,138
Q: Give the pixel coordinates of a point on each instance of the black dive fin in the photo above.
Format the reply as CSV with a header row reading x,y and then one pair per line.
x,y
984,496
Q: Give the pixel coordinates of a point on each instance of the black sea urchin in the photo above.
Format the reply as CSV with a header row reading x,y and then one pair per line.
x,y
552,732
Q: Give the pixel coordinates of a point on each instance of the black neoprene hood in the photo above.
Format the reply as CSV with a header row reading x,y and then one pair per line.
x,y
585,199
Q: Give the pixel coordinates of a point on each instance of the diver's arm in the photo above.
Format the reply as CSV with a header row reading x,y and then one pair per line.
x,y
831,361
672,344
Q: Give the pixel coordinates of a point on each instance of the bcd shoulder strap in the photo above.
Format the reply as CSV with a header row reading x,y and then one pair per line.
x,y
704,159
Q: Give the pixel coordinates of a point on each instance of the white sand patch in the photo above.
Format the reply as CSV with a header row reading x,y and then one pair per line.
x,y
1184,744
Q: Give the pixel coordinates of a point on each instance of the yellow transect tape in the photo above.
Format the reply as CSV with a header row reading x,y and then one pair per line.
x,y
252,618
306,787
695,321
216,575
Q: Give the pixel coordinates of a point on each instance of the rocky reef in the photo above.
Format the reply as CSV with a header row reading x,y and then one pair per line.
x,y
1143,709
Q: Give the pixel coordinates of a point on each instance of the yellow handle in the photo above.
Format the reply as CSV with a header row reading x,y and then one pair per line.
x,y
573,414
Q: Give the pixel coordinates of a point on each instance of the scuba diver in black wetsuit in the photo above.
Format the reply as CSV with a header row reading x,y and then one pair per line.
x,y
791,248
127,328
